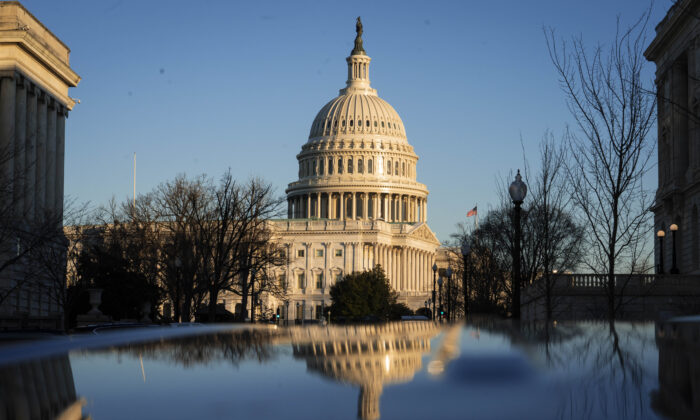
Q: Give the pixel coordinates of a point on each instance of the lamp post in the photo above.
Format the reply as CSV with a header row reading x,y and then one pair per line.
x,y
434,273
465,280
297,313
286,312
426,307
252,296
660,234
440,297
674,267
450,303
517,191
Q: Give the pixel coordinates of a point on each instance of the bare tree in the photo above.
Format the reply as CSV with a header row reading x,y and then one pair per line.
x,y
610,150
553,234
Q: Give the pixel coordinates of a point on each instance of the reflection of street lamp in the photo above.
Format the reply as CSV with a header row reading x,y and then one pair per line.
x,y
465,280
434,272
450,304
661,235
674,267
286,312
517,191
440,297
252,296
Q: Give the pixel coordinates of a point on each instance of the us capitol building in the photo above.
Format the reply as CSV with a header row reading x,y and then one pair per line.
x,y
357,202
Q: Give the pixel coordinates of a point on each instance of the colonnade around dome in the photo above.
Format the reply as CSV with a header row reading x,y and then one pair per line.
x,y
353,205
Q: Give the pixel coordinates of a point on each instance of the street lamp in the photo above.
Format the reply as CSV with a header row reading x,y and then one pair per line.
x,y
674,267
517,191
465,280
450,306
660,234
440,297
434,272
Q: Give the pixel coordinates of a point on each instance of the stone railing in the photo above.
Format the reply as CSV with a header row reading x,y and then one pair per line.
x,y
589,281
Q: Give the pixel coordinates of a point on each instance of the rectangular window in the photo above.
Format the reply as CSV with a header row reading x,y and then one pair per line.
x,y
319,253
338,252
300,253
319,280
319,311
300,280
282,281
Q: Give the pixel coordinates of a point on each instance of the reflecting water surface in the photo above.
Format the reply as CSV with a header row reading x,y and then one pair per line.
x,y
488,369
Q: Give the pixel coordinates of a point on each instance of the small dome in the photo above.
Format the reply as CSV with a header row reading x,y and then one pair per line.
x,y
357,113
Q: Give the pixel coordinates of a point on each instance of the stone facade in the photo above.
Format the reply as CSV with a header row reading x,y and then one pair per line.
x,y
35,76
356,203
676,52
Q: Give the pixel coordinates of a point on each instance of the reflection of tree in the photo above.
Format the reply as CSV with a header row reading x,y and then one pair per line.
x,y
233,347
606,364
367,356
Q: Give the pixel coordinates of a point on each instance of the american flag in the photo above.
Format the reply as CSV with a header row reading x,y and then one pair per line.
x,y
471,212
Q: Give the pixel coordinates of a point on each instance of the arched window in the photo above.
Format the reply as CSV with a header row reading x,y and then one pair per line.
x,y
403,168
330,166
321,166
367,123
370,168
388,167
343,124
352,122
396,168
314,169
375,124
340,165
382,124
360,166
349,165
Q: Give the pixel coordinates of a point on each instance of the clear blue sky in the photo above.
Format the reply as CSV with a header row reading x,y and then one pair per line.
x,y
197,87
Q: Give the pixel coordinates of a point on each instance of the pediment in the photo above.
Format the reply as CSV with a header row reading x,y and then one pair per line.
x,y
424,233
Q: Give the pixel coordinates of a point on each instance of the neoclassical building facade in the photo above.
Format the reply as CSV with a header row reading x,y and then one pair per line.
x,y
356,203
35,78
676,52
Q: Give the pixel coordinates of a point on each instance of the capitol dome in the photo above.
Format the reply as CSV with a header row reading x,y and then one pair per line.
x,y
359,113
357,163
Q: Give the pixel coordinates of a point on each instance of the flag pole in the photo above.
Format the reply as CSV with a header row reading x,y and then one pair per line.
x,y
134,198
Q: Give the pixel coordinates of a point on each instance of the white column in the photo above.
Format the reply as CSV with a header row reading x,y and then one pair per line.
x,y
365,206
30,153
342,206
40,166
328,205
19,147
354,206
7,146
50,177
307,213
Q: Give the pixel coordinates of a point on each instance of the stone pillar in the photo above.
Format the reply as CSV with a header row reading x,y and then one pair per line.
x,y
328,206
402,269
365,206
343,206
7,145
30,153
307,213
50,177
318,205
354,206
19,147
40,166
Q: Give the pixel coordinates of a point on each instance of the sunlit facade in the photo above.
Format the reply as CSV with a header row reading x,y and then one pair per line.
x,y
356,203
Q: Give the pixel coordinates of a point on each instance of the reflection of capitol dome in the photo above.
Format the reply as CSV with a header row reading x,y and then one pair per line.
x,y
367,356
